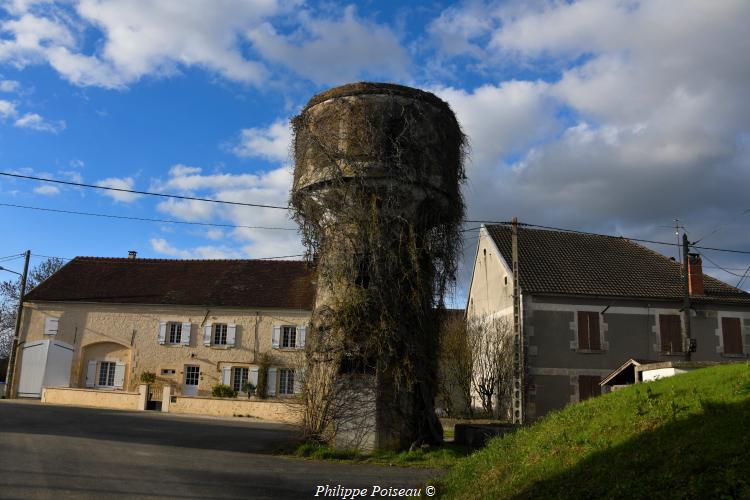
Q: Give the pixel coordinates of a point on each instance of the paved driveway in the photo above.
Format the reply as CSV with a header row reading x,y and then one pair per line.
x,y
65,452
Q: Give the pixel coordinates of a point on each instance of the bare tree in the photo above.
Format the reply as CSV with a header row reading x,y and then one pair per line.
x,y
456,362
490,341
10,290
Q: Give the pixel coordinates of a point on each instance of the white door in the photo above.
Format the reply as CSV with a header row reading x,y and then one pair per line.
x,y
59,361
33,364
192,376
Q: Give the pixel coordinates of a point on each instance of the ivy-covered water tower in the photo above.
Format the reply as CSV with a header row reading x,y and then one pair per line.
x,y
376,193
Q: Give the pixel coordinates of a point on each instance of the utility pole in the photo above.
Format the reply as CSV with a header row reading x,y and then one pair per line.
x,y
686,294
677,235
519,354
14,347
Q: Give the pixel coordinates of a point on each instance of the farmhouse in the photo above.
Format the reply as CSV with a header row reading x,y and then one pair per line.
x,y
100,323
589,303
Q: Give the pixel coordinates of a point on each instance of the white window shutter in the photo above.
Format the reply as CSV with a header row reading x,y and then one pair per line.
x,y
301,331
185,335
207,330
51,325
119,375
226,375
162,332
254,377
91,374
276,335
271,382
231,333
298,374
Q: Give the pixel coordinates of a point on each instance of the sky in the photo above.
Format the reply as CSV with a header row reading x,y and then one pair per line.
x,y
608,116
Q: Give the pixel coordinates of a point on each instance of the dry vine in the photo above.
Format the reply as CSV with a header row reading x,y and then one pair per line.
x,y
376,195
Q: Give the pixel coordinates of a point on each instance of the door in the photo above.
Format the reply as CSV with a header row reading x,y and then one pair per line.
x,y
33,364
59,362
192,375
44,363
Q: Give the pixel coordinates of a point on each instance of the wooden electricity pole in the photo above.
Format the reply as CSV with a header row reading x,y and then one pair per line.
x,y
686,294
14,346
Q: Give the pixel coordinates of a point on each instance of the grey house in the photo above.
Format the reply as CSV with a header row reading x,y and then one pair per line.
x,y
589,303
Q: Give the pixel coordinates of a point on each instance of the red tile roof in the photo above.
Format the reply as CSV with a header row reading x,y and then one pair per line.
x,y
225,283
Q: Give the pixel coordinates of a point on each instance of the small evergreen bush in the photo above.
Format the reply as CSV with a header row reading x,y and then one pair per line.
x,y
223,391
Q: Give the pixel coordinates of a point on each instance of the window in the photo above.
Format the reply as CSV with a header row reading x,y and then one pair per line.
x,y
731,331
670,330
588,331
167,371
286,381
174,333
289,336
220,334
588,386
239,378
192,374
106,374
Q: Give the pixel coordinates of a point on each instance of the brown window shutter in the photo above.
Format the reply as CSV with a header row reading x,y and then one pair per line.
x,y
676,334
732,335
594,331
583,330
588,386
671,333
584,391
665,332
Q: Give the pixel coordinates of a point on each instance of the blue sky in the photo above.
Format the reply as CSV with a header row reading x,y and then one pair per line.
x,y
609,116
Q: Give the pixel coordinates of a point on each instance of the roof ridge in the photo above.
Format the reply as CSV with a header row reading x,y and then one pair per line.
x,y
80,258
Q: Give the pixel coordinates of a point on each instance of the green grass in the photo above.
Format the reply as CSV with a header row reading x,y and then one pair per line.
x,y
428,457
682,437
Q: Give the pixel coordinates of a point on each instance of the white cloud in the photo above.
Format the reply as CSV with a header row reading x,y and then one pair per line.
x,y
119,183
162,246
7,109
180,170
33,121
9,86
334,51
456,30
47,190
112,44
649,117
141,37
272,142
267,187
500,120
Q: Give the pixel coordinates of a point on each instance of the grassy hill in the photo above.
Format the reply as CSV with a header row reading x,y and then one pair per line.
x,y
682,437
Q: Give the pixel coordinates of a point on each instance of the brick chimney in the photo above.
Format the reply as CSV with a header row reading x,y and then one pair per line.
x,y
132,254
695,274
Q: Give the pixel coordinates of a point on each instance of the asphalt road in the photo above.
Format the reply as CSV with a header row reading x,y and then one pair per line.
x,y
65,452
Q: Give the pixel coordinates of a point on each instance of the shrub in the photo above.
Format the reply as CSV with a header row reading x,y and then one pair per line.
x,y
148,377
249,388
223,391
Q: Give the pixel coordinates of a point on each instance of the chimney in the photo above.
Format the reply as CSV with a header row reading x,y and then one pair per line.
x,y
695,274
132,254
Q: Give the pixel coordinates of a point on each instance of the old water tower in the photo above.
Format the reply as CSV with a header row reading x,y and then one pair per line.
x,y
376,193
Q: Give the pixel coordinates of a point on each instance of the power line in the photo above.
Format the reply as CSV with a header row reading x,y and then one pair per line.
x,y
144,219
9,258
720,267
744,276
721,226
147,193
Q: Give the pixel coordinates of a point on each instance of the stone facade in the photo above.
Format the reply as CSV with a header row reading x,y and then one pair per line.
x,y
129,335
